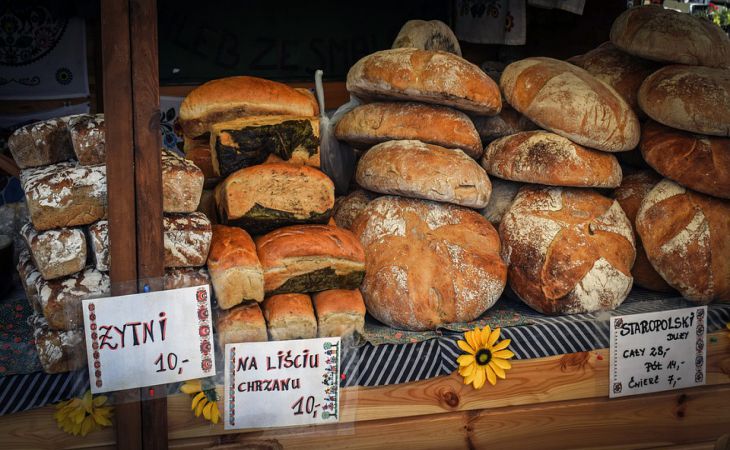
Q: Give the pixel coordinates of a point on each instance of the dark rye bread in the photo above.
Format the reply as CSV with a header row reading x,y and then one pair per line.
x,y
187,239
182,184
88,136
60,299
56,253
41,143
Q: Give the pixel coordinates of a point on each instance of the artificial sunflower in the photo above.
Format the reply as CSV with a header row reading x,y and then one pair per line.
x,y
205,399
82,415
486,359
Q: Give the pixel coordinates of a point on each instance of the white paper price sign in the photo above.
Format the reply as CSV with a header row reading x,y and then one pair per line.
x,y
658,351
148,339
282,383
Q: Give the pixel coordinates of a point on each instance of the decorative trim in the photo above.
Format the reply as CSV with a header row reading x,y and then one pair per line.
x,y
95,345
232,389
204,330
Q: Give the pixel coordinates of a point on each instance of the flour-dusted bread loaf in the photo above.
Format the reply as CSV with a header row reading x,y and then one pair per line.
x,y
88,136
373,123
427,76
41,144
418,170
64,195
506,123
503,193
348,207
233,97
686,236
268,196
183,277
242,323
182,184
428,263
547,158
651,32
339,312
696,161
60,299
629,195
58,351
56,253
99,244
187,239
310,258
290,316
427,35
691,98
571,102
569,250
234,267
29,275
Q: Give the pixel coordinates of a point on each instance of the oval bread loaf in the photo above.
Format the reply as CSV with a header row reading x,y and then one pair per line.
x,y
348,207
506,123
427,35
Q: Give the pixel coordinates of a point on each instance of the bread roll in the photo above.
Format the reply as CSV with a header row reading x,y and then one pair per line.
x,y
651,32
183,277
428,263
506,123
348,207
427,35
418,170
56,253
229,98
691,98
290,316
503,193
547,158
569,250
265,197
187,239
99,245
687,239
339,312
426,76
243,323
571,102
182,184
88,137
41,143
58,351
234,267
367,125
60,299
310,258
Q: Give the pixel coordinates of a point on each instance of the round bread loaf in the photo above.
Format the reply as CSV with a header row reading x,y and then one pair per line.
x,y
371,124
427,76
571,102
427,35
686,236
506,123
348,207
690,98
503,193
569,250
428,263
547,158
698,162
415,169
629,195
652,32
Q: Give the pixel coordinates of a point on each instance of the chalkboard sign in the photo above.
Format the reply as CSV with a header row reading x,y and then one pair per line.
x,y
286,41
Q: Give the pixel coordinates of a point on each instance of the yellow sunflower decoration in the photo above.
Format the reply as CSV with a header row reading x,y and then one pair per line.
x,y
82,415
205,399
485,358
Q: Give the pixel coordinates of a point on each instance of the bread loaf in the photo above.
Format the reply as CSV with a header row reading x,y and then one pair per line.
x,y
651,32
242,323
229,98
88,136
427,35
310,258
503,193
547,158
290,316
200,155
265,197
56,253
184,277
182,184
571,102
60,299
569,250
506,123
339,312
187,239
58,351
686,236
426,76
234,267
367,125
29,275
428,263
99,243
350,206
41,144
418,170
691,98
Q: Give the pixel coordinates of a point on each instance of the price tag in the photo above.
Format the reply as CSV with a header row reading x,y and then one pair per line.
x,y
658,351
282,383
148,339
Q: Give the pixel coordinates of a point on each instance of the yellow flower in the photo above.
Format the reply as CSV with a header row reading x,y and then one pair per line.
x,y
80,416
486,359
204,400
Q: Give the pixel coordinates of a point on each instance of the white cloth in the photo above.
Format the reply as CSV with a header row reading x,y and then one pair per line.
x,y
490,21
572,6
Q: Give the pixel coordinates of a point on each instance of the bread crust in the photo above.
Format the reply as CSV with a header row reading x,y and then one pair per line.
x,y
427,35
339,312
234,267
182,184
243,323
290,316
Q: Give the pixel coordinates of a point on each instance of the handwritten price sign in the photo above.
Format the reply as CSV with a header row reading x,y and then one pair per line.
x,y
658,351
283,383
149,339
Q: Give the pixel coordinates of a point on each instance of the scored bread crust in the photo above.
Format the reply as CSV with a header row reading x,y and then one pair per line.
x,y
290,316
243,323
234,267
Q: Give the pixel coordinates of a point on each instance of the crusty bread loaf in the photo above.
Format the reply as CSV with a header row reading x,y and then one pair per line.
x,y
427,76
88,137
29,275
41,143
691,98
290,316
569,250
234,267
60,299
310,258
428,263
367,125
187,239
348,207
228,98
571,102
547,158
506,123
339,312
418,170
243,323
58,351
503,193
427,35
56,253
687,239
183,277
182,184
651,32
99,244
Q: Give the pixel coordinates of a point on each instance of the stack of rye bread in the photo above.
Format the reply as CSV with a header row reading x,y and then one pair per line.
x,y
278,267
